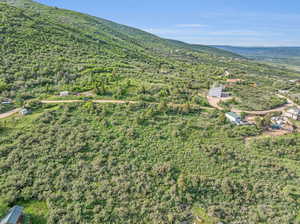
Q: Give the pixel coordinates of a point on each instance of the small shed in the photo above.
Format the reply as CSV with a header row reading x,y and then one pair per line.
x,y
24,112
217,92
234,118
293,113
14,216
64,93
226,73
6,101
283,91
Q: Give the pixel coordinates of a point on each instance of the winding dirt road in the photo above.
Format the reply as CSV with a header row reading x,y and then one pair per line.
x,y
214,102
81,101
9,113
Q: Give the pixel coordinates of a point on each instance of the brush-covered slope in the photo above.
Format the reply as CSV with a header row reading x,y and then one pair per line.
x,y
169,158
46,49
42,45
120,32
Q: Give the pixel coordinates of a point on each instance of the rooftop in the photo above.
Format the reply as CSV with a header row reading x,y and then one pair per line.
x,y
13,215
232,114
294,110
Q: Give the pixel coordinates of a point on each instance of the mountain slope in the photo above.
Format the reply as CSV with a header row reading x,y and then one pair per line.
x,y
168,158
119,31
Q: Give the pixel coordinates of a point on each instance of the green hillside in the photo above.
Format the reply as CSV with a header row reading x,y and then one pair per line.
x,y
167,157
206,49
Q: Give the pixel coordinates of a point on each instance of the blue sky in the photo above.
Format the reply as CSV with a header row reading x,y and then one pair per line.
x,y
222,22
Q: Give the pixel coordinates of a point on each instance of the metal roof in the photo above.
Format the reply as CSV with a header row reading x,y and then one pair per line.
x,y
234,115
13,215
216,91
294,110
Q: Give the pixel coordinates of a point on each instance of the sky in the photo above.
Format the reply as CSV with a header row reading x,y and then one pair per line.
x,y
210,22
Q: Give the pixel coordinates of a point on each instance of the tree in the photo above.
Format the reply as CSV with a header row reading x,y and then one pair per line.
x,y
222,119
3,207
3,85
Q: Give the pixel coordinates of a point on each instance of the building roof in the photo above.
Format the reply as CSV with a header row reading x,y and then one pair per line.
x,y
24,110
216,91
13,215
294,111
234,115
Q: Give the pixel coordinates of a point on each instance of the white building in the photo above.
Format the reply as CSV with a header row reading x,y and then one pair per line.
x,y
24,112
64,93
217,92
6,101
293,113
279,122
283,91
234,118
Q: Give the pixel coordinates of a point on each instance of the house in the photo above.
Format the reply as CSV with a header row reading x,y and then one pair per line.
x,y
217,92
294,81
14,216
278,122
64,93
283,91
234,118
6,101
24,112
226,73
293,113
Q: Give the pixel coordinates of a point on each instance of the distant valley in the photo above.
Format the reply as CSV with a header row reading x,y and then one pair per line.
x,y
282,56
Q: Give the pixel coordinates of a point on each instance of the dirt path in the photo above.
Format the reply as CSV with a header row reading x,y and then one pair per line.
x,y
81,101
9,113
214,102
263,112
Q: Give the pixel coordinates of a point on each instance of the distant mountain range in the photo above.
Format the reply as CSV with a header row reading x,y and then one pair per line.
x,y
278,55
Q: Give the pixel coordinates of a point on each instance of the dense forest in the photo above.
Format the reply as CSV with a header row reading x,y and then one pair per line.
x,y
167,158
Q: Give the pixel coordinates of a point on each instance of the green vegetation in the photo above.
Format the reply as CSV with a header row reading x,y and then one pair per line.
x,y
3,207
166,159
35,212
48,50
145,164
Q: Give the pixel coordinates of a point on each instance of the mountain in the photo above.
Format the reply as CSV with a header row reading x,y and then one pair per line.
x,y
277,55
207,49
47,40
150,148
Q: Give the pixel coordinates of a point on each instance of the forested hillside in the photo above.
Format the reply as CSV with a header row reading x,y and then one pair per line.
x,y
165,157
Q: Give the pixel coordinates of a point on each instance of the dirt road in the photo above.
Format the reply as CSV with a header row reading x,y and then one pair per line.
x,y
81,101
9,113
214,102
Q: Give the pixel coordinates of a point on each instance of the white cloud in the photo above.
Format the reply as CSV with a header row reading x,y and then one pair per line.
x,y
190,25
163,31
